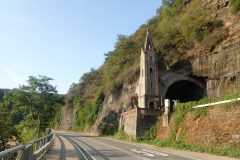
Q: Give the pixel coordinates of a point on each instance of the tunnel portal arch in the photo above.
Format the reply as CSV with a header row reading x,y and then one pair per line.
x,y
185,90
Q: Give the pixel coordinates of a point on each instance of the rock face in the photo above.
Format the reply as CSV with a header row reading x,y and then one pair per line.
x,y
67,117
119,100
221,68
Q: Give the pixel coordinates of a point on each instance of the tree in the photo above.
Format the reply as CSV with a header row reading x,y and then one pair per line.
x,y
38,101
8,131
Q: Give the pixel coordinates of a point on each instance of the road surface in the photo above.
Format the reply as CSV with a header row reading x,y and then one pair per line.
x,y
79,147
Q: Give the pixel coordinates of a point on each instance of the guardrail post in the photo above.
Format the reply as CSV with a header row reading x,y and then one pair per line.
x,y
27,152
20,155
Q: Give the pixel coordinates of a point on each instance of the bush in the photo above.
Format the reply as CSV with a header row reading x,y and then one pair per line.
x,y
151,134
234,6
199,112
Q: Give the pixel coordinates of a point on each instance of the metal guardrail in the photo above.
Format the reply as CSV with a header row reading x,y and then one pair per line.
x,y
35,150
217,103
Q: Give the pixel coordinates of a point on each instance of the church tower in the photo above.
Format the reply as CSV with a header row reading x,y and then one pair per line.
x,y
148,94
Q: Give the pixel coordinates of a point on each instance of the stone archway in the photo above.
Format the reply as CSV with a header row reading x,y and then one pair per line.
x,y
184,89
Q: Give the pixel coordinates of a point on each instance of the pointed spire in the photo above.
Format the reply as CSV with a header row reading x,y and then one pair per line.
x,y
148,41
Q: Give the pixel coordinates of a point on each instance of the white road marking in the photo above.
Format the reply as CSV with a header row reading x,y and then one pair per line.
x,y
180,155
142,152
77,148
138,145
132,154
84,149
185,156
155,152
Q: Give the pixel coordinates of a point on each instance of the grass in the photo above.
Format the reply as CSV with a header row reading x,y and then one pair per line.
x,y
182,145
234,6
223,151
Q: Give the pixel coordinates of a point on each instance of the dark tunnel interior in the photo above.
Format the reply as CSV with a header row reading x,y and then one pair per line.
x,y
185,91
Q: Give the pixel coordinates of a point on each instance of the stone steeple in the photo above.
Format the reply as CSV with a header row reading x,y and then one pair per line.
x,y
148,96
148,41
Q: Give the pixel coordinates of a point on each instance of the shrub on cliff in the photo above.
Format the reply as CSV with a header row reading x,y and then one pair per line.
x,y
234,6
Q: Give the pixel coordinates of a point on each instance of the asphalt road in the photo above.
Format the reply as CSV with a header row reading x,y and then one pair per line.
x,y
80,147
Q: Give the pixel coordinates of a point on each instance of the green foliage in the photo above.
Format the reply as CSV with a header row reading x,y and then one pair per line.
x,y
33,107
8,131
57,120
179,117
234,6
96,107
110,129
151,134
178,29
199,112
223,151
28,130
87,111
121,135
1,94
87,87
125,55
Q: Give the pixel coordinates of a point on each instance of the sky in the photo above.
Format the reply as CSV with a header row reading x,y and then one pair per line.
x,y
63,39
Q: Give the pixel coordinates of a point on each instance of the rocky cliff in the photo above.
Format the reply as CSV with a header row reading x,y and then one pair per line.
x,y
221,67
117,101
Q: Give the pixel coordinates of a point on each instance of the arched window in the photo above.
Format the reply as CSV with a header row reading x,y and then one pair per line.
x,y
150,58
151,85
151,71
151,105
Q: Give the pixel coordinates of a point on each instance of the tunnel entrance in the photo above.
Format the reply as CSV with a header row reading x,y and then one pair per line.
x,y
185,91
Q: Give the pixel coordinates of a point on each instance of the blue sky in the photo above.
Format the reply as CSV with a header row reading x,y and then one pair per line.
x,y
63,39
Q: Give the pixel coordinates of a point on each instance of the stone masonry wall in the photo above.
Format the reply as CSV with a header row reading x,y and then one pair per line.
x,y
129,122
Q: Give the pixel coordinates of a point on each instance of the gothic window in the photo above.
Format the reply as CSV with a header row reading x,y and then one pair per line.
x,y
151,70
151,105
150,58
151,85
